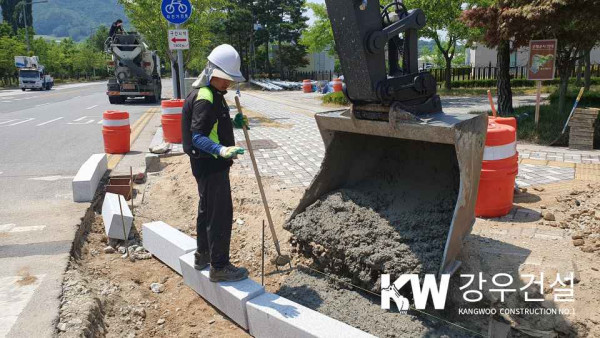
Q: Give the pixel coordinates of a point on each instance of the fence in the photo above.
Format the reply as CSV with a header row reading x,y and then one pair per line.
x,y
325,75
491,73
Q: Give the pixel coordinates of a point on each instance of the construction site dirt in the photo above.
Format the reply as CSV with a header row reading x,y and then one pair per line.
x,y
110,295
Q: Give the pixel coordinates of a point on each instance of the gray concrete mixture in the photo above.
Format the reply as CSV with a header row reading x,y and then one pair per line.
x,y
361,311
389,209
367,230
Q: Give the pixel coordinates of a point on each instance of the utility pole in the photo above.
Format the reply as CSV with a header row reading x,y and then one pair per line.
x,y
25,3
280,51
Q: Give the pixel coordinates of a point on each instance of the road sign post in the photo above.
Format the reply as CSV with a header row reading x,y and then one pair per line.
x,y
542,61
177,12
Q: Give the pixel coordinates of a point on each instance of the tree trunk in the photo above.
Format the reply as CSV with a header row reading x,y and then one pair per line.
x,y
269,62
448,84
505,106
588,70
562,90
579,70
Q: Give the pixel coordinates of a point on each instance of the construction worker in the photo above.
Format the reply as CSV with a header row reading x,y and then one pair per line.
x,y
116,28
207,132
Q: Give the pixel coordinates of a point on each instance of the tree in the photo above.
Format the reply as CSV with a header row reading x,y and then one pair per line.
x,y
572,22
319,36
146,17
98,38
12,13
443,16
487,19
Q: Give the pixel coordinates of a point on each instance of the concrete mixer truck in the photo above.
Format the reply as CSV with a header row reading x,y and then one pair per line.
x,y
135,69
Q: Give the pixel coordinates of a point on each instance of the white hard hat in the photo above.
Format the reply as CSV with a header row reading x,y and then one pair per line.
x,y
228,60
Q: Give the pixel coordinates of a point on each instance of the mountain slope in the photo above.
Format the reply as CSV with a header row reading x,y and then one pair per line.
x,y
74,18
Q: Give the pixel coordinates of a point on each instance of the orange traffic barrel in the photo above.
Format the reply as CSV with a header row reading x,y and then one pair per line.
x,y
337,85
116,132
498,172
171,120
307,86
509,121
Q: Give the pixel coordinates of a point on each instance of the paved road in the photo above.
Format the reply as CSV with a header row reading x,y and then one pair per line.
x,y
44,139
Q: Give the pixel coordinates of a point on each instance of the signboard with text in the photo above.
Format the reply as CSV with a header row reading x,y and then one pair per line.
x,y
542,60
179,39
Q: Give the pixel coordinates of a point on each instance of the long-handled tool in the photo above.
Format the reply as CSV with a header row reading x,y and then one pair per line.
x,y
570,115
280,260
491,102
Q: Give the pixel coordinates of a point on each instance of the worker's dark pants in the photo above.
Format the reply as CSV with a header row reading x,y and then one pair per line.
x,y
215,213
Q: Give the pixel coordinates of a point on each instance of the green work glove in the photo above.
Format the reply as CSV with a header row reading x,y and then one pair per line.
x,y
240,120
229,152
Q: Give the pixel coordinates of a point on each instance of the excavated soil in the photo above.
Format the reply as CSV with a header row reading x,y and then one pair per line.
x,y
107,294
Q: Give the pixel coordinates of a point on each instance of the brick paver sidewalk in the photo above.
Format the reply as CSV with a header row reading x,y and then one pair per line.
x,y
299,148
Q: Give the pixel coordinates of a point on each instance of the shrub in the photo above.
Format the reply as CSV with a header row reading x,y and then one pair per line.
x,y
590,98
336,98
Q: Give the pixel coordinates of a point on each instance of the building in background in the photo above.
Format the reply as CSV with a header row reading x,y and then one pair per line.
x,y
319,62
481,56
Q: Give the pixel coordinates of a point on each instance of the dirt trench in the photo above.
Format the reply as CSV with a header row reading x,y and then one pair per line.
x,y
106,294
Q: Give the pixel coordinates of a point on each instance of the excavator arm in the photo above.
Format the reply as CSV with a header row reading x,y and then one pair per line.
x,y
363,31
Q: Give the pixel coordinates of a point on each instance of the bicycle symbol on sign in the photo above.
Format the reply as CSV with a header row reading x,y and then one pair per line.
x,y
171,8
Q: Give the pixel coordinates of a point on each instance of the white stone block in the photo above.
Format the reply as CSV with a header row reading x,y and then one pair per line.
x,y
111,214
87,178
167,243
270,315
229,297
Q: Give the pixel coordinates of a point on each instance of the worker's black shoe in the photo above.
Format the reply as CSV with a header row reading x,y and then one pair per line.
x,y
201,260
229,273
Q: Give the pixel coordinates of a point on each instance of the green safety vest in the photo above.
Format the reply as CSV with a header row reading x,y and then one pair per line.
x,y
205,93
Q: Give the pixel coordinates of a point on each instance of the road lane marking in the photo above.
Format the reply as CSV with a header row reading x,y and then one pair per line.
x,y
52,178
6,101
44,123
27,229
6,227
42,104
92,107
15,294
5,122
24,121
100,122
88,122
79,119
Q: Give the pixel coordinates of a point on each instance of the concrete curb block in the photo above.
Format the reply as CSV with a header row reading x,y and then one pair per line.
x,y
167,243
89,175
228,297
111,215
270,315
245,302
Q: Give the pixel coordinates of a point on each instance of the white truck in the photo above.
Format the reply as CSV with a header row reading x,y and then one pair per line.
x,y
32,75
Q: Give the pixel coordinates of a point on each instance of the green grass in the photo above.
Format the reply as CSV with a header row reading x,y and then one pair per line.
x,y
552,122
336,98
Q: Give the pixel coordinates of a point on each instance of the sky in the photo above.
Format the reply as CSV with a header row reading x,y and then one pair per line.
x,y
309,13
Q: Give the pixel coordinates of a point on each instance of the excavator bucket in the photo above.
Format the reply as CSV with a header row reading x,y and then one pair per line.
x,y
397,187
418,177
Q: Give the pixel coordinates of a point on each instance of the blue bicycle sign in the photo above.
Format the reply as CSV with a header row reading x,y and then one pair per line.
x,y
176,11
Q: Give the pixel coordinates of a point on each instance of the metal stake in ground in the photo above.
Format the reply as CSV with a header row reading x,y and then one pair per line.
x,y
123,224
262,275
280,260
131,187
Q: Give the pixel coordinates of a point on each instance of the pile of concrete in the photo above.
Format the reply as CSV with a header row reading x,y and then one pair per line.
x,y
364,231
